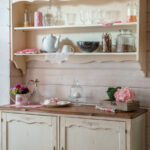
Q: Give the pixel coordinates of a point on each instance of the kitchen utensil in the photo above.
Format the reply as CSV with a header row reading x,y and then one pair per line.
x,y
88,46
67,49
50,43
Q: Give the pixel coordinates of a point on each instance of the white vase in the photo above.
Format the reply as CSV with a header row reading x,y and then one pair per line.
x,y
22,99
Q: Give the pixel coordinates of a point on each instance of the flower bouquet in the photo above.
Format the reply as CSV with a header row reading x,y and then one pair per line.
x,y
21,93
121,99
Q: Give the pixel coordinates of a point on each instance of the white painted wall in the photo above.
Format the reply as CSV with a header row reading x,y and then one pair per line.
x,y
4,52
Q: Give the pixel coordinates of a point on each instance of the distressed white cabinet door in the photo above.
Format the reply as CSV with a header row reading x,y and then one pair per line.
x,y
85,134
28,132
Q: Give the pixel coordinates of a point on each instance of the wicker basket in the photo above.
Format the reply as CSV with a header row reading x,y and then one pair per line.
x,y
120,105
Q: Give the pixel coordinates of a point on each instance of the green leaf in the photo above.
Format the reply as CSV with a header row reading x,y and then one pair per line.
x,y
111,93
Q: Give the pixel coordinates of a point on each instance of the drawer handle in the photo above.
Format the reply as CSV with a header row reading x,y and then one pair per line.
x,y
54,148
62,148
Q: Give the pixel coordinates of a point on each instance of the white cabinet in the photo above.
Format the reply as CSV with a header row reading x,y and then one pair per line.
x,y
28,132
85,134
41,131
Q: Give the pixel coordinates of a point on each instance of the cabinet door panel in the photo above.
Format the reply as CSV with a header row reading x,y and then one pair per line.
x,y
28,132
84,134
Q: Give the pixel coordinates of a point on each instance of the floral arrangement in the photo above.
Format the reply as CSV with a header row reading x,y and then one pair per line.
x,y
19,89
121,94
125,95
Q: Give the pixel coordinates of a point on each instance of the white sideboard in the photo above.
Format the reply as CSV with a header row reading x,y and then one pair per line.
x,y
25,130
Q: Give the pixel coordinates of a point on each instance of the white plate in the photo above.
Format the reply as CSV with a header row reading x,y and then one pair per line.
x,y
58,104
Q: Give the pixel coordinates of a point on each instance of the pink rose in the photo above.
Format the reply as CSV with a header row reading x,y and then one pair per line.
x,y
125,95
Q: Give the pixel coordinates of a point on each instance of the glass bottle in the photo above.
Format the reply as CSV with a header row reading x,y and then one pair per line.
x,y
35,97
106,43
125,41
76,92
48,15
132,12
27,18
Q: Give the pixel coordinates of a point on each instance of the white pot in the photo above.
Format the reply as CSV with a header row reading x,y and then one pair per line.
x,y
22,99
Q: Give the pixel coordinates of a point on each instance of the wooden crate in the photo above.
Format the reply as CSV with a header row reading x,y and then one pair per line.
x,y
120,105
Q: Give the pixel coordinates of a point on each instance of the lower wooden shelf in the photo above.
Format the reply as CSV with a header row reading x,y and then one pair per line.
x,y
20,60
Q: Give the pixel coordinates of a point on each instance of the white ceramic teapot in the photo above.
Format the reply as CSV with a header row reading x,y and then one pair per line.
x,y
50,43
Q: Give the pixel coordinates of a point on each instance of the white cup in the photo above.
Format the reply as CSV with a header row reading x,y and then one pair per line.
x,y
67,49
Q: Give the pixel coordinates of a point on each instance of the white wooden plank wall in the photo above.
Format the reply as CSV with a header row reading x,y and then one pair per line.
x,y
55,80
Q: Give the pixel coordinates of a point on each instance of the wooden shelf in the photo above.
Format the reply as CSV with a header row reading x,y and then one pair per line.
x,y
81,54
79,58
84,27
31,37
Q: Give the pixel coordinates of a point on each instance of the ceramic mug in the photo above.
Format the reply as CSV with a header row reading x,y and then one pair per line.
x,y
67,49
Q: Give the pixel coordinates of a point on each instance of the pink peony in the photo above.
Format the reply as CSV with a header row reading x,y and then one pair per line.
x,y
125,95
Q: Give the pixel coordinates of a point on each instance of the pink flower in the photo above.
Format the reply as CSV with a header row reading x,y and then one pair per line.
x,y
125,95
18,86
54,100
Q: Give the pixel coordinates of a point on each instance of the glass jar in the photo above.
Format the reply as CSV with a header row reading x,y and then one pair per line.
x,y
47,19
27,18
132,12
76,92
125,41
106,42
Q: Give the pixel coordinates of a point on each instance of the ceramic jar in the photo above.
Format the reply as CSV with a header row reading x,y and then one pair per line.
x,y
38,19
22,99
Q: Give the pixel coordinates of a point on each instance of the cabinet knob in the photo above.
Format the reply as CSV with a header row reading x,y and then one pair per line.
x,y
54,148
62,148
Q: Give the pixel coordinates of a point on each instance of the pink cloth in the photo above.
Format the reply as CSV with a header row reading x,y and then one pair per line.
x,y
28,51
105,109
25,106
38,19
110,23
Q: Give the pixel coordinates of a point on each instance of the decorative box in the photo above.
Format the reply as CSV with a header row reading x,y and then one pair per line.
x,y
130,106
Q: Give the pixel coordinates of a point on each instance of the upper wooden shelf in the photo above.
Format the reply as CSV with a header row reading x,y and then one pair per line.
x,y
83,27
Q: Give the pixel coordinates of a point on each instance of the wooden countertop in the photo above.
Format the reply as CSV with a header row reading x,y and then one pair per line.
x,y
80,110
